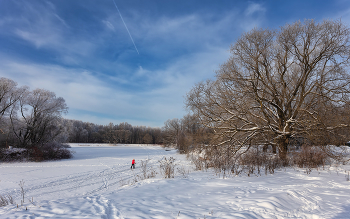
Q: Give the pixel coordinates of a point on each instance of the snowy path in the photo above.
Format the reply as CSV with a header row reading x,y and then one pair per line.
x,y
95,185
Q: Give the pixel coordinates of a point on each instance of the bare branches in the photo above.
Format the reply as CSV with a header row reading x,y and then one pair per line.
x,y
278,85
9,95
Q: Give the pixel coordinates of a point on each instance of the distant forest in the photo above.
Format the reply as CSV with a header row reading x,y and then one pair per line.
x,y
123,133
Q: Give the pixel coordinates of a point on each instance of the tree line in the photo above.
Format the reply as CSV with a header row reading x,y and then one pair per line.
x,y
123,133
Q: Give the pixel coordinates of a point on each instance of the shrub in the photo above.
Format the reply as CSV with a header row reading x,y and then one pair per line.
x,y
310,157
36,154
14,154
146,171
167,167
6,200
256,159
50,151
183,172
198,161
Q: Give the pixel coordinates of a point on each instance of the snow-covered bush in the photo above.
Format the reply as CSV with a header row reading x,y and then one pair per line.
x,y
257,160
310,157
146,171
13,154
167,167
6,200
182,171
50,151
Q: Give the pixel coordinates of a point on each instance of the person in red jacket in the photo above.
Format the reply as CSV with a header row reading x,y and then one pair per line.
x,y
133,164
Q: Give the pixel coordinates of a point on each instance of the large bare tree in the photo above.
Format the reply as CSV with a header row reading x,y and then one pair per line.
x,y
37,121
279,85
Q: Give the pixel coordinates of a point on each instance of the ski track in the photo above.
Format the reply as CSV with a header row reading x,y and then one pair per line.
x,y
104,180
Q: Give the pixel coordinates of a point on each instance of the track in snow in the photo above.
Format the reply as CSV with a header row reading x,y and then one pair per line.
x,y
86,183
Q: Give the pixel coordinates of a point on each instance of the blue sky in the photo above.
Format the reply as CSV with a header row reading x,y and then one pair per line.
x,y
81,50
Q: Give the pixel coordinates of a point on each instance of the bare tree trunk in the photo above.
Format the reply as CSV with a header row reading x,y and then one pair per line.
x,y
274,149
283,149
265,148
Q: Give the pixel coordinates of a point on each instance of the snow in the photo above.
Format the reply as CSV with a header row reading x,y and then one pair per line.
x,y
98,183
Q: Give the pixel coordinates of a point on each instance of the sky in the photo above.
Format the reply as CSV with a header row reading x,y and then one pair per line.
x,y
135,65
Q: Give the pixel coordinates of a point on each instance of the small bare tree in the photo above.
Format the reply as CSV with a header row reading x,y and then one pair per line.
x,y
23,191
279,85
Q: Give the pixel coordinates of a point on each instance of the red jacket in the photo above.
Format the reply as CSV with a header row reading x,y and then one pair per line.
x,y
133,162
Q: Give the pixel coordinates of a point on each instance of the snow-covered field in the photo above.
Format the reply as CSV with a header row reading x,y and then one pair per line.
x,y
98,183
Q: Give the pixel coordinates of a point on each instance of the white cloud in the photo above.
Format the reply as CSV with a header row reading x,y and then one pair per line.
x,y
39,39
142,72
81,89
109,25
254,8
254,17
42,27
162,36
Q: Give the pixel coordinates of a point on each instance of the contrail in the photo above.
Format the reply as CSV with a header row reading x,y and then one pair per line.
x,y
126,27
